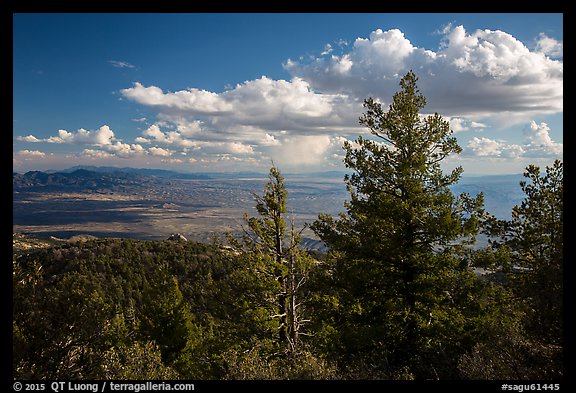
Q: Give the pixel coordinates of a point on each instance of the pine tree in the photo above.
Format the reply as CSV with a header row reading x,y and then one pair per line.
x,y
534,243
526,253
396,244
268,238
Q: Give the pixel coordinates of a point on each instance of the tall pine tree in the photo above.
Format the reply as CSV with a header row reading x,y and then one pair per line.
x,y
396,263
533,241
527,254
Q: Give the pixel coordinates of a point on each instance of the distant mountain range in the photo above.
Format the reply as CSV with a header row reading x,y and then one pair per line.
x,y
138,171
91,177
501,192
79,178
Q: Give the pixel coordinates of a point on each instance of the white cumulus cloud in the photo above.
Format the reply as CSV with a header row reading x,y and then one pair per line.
x,y
472,78
28,138
260,102
301,150
158,151
125,150
480,75
549,46
31,153
100,137
458,124
538,143
485,146
96,154
257,117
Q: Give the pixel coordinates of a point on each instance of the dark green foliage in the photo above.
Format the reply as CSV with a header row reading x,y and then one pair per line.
x,y
258,363
535,235
270,246
527,254
76,305
139,361
510,354
397,249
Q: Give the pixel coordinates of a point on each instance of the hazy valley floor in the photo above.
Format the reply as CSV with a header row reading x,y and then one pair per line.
x,y
198,209
154,207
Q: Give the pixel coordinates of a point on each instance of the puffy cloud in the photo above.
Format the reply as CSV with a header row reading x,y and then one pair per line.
x,y
100,137
372,65
485,146
327,49
103,137
493,54
479,75
391,45
265,103
160,152
285,98
549,46
31,153
96,154
154,134
268,140
458,124
259,117
214,147
179,138
538,143
471,78
239,148
301,150
29,138
193,100
125,150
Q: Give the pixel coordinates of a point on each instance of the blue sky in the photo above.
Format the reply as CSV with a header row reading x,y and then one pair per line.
x,y
229,92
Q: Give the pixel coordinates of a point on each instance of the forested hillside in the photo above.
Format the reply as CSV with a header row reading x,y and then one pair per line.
x,y
397,296
175,309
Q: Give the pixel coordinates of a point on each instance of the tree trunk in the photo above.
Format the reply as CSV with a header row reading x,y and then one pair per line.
x,y
293,318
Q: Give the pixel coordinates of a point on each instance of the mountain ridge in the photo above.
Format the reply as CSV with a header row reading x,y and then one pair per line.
x,y
167,173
